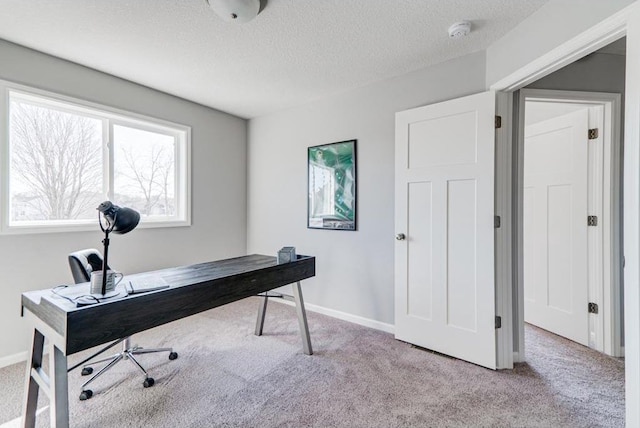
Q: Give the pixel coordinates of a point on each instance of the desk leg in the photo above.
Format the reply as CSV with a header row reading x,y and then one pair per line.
x,y
262,310
59,397
32,388
302,318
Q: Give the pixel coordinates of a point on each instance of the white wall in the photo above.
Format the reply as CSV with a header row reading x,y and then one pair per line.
x,y
537,111
354,269
632,222
553,24
29,262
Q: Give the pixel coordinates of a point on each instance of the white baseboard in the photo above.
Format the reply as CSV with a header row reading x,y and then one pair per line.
x,y
356,319
13,359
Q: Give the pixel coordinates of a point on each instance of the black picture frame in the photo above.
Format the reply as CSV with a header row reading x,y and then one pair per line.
x,y
332,186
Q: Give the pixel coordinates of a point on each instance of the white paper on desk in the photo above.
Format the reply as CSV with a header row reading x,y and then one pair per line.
x,y
145,284
92,299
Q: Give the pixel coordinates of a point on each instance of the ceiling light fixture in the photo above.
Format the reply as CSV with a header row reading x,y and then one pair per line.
x,y
459,29
239,11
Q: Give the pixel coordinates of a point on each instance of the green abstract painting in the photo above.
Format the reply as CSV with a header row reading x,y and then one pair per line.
x,y
332,186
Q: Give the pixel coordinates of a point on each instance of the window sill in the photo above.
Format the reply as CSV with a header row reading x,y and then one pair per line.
x,y
84,227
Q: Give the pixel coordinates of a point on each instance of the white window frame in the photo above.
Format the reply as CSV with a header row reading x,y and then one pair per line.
x,y
110,116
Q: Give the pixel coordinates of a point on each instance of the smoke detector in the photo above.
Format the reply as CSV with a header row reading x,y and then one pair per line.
x,y
239,11
459,29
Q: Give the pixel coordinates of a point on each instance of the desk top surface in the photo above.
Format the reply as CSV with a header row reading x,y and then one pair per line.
x,y
175,277
192,289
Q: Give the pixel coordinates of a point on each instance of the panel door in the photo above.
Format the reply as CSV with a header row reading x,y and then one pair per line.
x,y
555,225
444,258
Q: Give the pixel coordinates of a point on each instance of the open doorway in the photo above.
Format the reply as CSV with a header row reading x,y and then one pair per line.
x,y
509,299
569,173
570,192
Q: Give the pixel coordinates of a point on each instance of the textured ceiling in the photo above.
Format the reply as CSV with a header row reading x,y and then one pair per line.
x,y
294,52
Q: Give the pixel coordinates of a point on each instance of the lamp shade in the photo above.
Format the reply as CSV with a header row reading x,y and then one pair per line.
x,y
121,219
239,11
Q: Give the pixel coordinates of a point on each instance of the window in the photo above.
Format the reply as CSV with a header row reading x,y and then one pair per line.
x,y
323,186
63,157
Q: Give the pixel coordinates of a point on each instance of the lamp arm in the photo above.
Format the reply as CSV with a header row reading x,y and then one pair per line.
x,y
105,241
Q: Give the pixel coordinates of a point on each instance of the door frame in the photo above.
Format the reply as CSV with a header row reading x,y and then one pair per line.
x,y
625,22
608,328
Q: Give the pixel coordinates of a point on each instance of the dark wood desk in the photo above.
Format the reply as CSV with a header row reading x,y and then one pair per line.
x,y
192,289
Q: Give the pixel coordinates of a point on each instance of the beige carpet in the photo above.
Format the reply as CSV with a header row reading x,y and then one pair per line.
x,y
359,377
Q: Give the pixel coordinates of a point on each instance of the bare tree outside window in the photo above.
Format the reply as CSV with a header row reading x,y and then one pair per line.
x,y
144,167
56,163
67,156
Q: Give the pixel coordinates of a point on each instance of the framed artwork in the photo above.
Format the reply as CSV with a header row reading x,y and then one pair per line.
x,y
332,186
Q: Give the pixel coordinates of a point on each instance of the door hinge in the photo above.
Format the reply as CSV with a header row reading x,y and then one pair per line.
x,y
593,133
593,308
497,221
498,122
498,322
592,220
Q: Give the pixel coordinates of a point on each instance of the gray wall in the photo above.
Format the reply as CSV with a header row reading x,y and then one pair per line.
x,y
354,269
598,72
29,262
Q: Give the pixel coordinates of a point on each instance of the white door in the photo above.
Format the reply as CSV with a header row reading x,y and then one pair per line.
x,y
444,258
555,225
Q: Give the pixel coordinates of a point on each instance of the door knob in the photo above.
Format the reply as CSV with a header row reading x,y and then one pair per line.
x,y
400,236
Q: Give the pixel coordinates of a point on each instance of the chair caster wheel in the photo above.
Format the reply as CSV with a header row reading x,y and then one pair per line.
x,y
173,355
86,394
148,382
86,371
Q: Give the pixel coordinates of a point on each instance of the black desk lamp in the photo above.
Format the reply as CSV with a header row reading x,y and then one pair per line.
x,y
118,220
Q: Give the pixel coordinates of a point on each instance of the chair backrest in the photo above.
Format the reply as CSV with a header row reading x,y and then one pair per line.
x,y
83,262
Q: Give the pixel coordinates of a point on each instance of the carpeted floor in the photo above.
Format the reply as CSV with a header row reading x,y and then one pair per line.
x,y
358,377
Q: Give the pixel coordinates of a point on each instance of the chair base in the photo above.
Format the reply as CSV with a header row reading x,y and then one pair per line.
x,y
127,353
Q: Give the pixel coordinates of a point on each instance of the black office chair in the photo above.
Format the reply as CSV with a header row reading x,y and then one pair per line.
x,y
82,263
